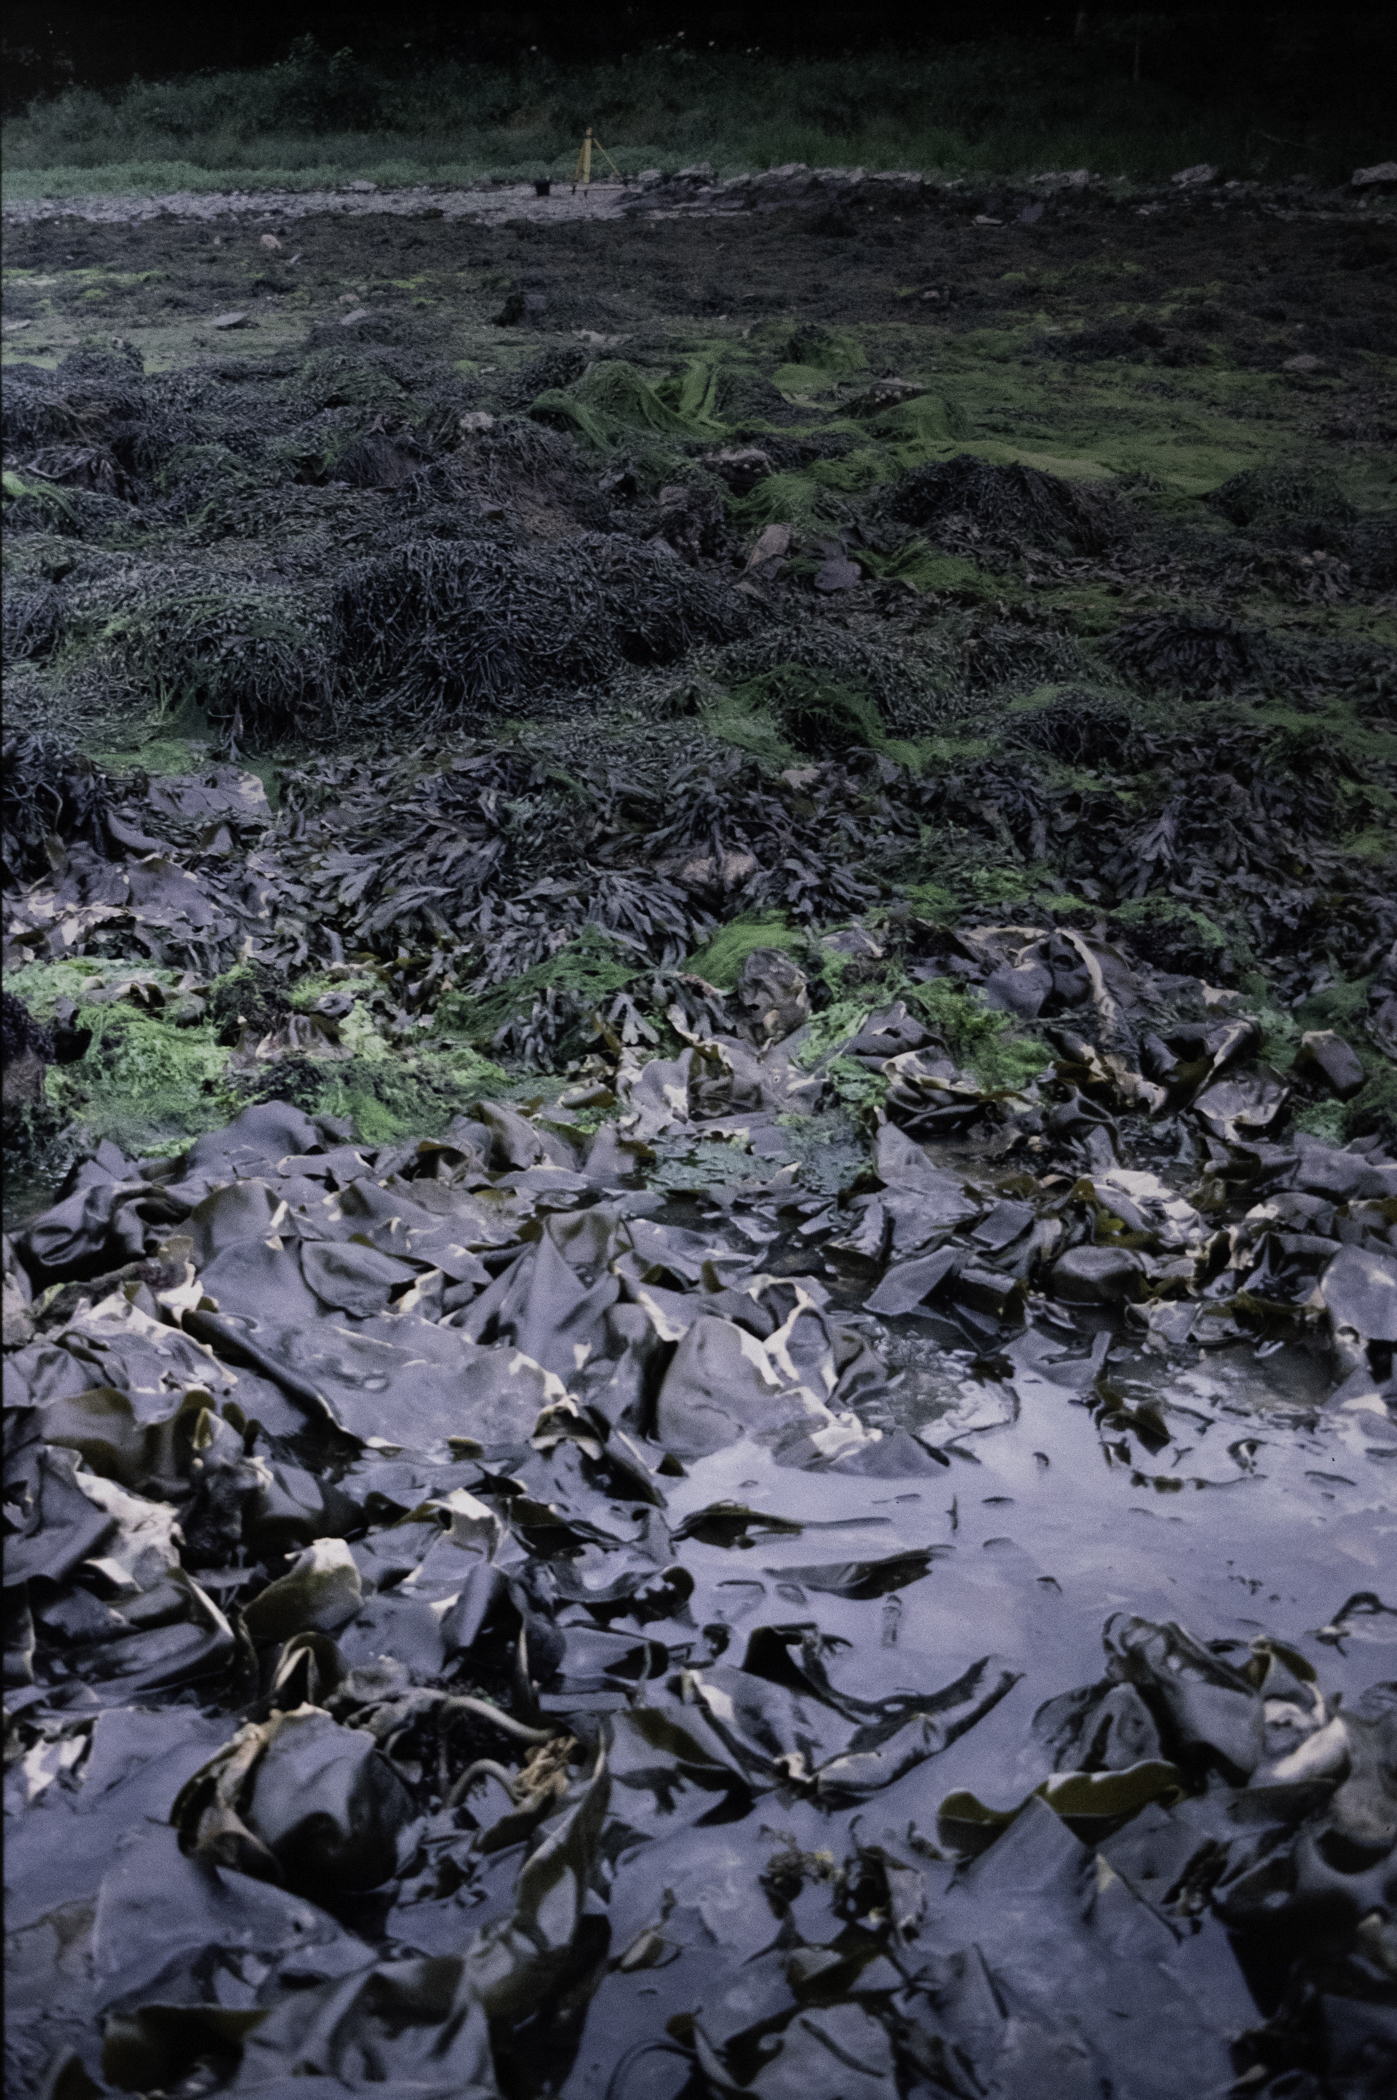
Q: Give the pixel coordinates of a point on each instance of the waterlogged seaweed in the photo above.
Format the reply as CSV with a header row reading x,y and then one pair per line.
x,y
702,1295
482,1507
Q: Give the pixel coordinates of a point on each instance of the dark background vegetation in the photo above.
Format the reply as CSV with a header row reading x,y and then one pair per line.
x,y
1307,67
1263,92
1309,52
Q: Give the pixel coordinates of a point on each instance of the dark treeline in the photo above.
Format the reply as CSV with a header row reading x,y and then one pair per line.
x,y
1302,57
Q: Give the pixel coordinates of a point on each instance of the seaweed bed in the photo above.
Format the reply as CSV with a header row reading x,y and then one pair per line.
x,y
638,929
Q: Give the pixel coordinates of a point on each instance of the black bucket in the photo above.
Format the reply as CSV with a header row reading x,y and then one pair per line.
x,y
543,189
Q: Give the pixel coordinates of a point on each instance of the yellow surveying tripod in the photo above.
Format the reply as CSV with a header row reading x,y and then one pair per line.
x,y
583,171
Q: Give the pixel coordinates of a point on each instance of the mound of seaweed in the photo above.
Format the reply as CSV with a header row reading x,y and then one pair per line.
x,y
1078,727
1013,505
50,797
1263,495
440,630
92,400
34,620
1183,654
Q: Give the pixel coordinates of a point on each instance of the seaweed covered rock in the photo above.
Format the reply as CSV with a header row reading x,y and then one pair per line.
x,y
1078,727
1179,653
443,629
1012,505
25,1051
87,393
1269,495
50,796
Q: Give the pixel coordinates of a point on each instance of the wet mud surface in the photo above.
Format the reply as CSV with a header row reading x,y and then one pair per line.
x,y
701,1258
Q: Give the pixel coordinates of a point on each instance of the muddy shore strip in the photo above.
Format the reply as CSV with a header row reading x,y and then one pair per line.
x,y
697,192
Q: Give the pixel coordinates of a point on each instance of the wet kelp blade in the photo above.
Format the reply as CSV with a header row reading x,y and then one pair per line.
x,y
590,1628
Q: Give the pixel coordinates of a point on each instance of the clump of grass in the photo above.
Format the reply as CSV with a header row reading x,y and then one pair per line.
x,y
837,1023
793,711
1323,1119
720,961
383,1097
590,970
977,1037
151,1082
612,400
786,498
143,1082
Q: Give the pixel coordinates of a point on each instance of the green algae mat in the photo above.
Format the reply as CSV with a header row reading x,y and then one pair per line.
x,y
699,1033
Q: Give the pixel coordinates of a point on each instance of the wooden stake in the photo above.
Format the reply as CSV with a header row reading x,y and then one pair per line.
x,y
583,171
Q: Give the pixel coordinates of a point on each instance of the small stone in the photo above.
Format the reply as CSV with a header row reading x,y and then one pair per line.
x,y
359,313
1345,1177
475,420
1328,1060
1191,178
837,572
1097,1275
1378,177
773,546
1304,361
845,940
237,320
269,240
885,394
1063,179
362,185
741,468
